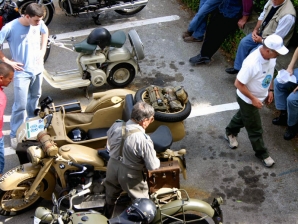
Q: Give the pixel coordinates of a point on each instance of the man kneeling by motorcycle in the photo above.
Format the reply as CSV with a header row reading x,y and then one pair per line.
x,y
130,151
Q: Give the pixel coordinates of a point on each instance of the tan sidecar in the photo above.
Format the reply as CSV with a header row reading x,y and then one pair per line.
x,y
104,109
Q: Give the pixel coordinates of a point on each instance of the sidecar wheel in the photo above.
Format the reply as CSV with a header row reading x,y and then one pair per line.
x,y
12,202
48,9
188,217
130,11
142,95
121,75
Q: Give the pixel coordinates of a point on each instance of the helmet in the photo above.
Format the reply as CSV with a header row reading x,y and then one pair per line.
x,y
77,134
142,209
100,37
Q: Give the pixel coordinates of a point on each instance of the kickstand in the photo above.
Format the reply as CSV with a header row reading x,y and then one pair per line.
x,y
86,92
96,19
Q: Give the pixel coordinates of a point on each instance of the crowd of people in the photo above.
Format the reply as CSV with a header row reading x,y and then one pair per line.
x,y
254,63
130,148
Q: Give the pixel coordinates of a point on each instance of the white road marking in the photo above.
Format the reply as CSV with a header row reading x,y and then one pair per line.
x,y
196,111
200,111
115,27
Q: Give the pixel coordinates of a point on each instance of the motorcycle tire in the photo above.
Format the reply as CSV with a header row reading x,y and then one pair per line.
x,y
121,75
48,10
18,204
142,95
188,217
130,11
48,50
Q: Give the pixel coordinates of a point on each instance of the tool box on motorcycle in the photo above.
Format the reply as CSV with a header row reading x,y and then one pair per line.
x,y
166,176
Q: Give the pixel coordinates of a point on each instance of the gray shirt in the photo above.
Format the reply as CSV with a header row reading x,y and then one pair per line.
x,y
138,150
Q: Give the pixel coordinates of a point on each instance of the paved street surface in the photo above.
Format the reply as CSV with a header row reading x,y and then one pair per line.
x,y
251,192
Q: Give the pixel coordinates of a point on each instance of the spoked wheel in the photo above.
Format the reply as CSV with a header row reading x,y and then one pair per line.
x,y
167,116
130,11
12,202
121,75
187,218
48,10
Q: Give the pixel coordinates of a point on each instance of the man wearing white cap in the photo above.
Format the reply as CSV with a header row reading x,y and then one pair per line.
x,y
254,86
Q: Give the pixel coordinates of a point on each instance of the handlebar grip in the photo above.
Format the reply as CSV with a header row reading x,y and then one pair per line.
x,y
49,121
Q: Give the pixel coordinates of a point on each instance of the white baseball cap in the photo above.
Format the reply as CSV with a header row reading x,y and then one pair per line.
x,y
275,42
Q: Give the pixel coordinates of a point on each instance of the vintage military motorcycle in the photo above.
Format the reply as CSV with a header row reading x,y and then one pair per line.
x,y
55,157
102,59
179,209
77,7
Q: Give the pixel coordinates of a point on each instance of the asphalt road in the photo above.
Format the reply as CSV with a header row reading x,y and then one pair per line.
x,y
251,192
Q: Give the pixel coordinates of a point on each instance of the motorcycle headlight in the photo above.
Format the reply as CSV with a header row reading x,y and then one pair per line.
x,y
35,154
43,215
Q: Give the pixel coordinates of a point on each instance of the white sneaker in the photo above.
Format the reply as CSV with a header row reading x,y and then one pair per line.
x,y
268,162
233,143
14,143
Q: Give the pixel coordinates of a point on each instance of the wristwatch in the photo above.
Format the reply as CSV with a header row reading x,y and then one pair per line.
x,y
271,90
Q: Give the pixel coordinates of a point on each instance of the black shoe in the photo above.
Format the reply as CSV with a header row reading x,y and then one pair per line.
x,y
232,71
290,132
196,60
281,119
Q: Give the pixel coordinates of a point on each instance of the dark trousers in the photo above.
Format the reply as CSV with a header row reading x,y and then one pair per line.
x,y
218,29
248,116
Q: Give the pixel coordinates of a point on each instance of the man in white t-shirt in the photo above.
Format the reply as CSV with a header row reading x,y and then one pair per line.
x,y
254,86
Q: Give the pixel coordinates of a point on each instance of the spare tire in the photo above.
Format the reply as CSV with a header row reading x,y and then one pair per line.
x,y
142,95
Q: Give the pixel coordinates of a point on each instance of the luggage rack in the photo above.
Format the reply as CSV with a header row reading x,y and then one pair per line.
x,y
173,194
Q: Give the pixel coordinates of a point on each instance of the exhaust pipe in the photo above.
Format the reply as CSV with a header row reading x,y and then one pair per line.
x,y
124,5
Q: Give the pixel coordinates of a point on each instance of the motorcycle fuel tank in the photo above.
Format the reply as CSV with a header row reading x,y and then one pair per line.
x,y
81,154
93,59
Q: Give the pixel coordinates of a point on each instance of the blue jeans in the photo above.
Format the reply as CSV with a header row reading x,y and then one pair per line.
x,y
245,47
285,99
27,91
199,22
2,159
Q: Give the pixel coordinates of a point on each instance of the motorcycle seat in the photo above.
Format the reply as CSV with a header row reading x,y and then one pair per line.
x,y
118,39
162,138
84,47
127,108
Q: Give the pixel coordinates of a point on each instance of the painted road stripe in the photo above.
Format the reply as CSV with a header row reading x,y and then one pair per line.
x,y
115,27
196,111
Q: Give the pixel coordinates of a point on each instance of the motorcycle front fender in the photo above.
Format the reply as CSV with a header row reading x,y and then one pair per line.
x,y
11,179
175,207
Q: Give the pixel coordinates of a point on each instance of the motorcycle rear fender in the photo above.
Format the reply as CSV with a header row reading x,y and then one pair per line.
x,y
13,177
131,61
175,207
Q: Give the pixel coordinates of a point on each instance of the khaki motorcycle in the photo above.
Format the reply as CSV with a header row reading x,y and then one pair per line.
x,y
176,208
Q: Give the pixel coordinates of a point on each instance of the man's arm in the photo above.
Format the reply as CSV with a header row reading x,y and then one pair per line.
x,y
16,65
290,68
44,41
244,90
247,8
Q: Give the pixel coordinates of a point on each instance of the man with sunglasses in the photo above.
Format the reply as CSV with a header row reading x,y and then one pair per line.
x,y
131,150
254,85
